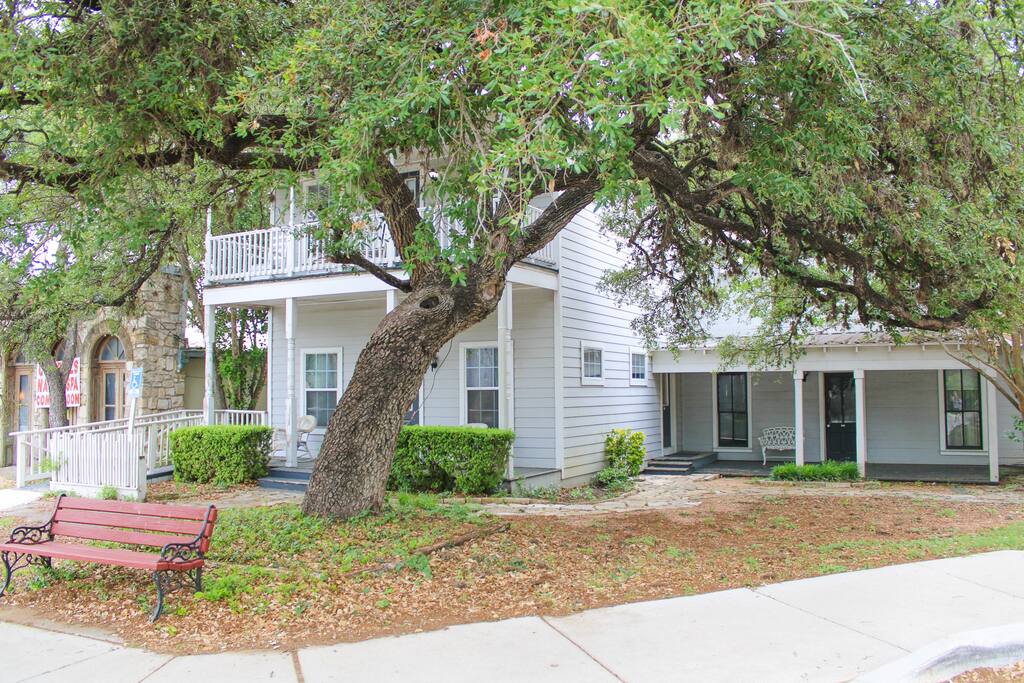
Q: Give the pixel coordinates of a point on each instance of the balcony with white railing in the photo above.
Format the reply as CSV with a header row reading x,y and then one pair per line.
x,y
290,251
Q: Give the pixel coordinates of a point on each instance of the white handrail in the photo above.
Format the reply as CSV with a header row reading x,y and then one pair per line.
x,y
292,250
84,458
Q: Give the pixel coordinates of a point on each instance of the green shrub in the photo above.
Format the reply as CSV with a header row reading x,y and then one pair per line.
x,y
613,479
222,454
625,450
830,470
464,459
108,492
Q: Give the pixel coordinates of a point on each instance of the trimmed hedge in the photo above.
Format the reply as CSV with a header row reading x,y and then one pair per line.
x,y
223,454
464,459
830,470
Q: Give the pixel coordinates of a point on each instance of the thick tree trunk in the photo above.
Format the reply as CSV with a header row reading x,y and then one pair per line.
x,y
57,415
355,458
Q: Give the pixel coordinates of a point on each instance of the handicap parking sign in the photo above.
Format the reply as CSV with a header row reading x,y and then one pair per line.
x,y
135,383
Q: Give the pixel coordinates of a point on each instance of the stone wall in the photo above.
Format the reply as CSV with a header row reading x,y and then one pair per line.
x,y
153,334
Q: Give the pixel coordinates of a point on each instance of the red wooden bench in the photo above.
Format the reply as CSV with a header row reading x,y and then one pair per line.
x,y
181,532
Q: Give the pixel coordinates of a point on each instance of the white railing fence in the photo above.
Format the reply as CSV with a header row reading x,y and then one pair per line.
x,y
291,250
240,417
86,458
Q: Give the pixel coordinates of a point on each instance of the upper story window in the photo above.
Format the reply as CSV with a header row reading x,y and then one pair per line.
x,y
321,383
732,407
638,367
480,377
961,398
592,369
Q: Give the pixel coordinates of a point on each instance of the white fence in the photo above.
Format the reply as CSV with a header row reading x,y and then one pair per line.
x,y
291,251
86,458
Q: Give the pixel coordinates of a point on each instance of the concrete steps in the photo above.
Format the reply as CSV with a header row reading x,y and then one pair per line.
x,y
678,463
286,479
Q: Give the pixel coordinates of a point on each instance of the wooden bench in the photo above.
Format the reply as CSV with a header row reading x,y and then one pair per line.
x,y
776,439
182,534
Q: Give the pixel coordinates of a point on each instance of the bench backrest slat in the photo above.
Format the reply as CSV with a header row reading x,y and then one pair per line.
x,y
133,523
105,533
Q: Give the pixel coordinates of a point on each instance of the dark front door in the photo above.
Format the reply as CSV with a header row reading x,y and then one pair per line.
x,y
840,417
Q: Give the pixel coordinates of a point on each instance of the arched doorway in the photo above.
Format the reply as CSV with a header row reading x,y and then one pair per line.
x,y
111,371
24,394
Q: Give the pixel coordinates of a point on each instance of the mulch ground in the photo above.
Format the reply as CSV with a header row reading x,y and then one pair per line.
x,y
531,565
1014,672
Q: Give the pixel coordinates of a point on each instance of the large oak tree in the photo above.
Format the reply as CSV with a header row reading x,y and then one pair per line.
x,y
866,153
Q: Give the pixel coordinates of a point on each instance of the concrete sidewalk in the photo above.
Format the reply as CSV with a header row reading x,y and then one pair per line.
x,y
830,628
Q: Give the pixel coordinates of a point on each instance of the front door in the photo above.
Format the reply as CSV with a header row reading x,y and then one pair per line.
x,y
840,417
666,411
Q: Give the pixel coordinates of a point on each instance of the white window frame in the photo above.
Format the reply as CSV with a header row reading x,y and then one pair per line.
x,y
985,438
646,380
302,377
463,403
714,415
594,381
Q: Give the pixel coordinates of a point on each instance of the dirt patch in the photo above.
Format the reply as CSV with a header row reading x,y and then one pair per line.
x,y
539,565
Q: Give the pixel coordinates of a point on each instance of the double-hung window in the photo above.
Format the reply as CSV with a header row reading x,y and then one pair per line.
x,y
961,394
592,369
480,373
321,383
733,418
638,370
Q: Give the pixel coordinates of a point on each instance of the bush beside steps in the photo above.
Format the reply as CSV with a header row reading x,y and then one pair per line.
x,y
830,470
222,454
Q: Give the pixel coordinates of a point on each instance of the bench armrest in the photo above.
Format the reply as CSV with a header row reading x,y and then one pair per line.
x,y
32,535
181,552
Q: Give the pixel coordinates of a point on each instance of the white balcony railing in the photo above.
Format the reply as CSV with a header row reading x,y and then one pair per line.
x,y
291,251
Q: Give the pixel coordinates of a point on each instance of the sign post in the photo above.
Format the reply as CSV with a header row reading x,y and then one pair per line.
x,y
134,391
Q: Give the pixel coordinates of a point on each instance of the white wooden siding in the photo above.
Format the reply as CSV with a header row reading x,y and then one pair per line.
x,y
588,315
348,326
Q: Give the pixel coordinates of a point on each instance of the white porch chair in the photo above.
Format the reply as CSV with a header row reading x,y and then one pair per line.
x,y
776,439
304,427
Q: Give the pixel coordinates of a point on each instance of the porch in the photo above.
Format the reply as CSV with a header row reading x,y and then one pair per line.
x,y
901,413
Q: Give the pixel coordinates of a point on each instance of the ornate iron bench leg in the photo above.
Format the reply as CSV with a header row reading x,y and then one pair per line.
x,y
199,580
159,579
8,571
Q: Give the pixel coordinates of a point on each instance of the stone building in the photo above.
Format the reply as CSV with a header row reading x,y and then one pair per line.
x,y
151,336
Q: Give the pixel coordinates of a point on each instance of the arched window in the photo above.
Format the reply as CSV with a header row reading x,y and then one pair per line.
x,y
112,350
110,379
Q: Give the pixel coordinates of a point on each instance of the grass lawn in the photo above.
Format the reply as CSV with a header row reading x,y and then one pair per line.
x,y
277,579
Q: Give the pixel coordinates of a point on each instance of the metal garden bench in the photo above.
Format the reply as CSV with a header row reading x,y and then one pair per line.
x,y
182,534
776,439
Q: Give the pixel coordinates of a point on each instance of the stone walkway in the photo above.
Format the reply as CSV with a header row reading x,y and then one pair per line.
x,y
829,628
687,491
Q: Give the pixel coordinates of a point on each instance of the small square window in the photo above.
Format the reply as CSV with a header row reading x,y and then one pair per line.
x,y
592,364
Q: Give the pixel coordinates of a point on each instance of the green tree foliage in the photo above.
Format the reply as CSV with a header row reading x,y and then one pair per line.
x,y
861,157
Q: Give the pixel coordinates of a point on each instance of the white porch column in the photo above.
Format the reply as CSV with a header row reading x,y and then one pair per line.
x,y
210,367
390,300
289,397
992,408
506,399
798,414
862,425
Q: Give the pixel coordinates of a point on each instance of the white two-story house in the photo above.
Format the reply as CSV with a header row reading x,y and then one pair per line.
x,y
560,365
